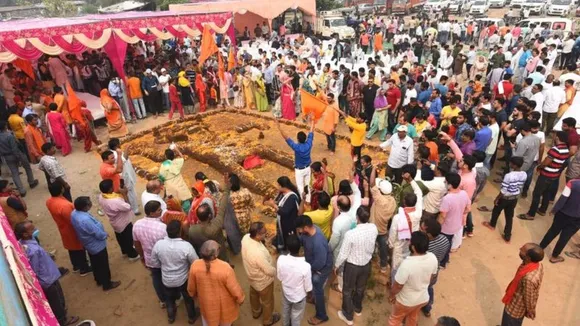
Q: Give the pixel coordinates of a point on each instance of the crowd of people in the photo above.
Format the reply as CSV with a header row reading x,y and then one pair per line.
x,y
446,97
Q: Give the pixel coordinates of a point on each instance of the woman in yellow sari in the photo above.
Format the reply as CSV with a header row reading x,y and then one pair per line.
x,y
115,123
248,91
261,99
570,94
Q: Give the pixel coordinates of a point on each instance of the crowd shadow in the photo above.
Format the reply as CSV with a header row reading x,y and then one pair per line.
x,y
487,292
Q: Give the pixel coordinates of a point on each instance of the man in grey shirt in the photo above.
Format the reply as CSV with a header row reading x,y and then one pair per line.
x,y
14,157
175,256
527,148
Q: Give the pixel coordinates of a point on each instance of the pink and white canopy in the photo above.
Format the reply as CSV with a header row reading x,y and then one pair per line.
x,y
30,39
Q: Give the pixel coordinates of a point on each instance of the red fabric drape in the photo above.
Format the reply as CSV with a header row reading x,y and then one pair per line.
x,y
29,52
75,47
175,32
143,36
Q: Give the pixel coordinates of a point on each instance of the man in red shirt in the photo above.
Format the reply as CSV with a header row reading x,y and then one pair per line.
x,y
569,126
506,88
393,101
108,169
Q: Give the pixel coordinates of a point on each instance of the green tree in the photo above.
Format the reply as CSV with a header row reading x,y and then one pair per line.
x,y
59,8
326,5
164,4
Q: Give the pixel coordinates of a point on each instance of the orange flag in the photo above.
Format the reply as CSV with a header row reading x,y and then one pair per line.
x,y
231,59
74,105
221,68
312,104
208,45
25,66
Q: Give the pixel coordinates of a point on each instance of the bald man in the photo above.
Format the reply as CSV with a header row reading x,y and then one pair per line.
x,y
523,291
153,191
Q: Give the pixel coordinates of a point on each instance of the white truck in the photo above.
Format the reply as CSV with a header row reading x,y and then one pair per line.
x,y
329,23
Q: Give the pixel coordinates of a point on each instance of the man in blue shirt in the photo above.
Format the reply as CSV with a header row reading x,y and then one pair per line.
x,y
425,93
519,73
302,158
483,135
92,235
436,105
462,126
317,253
46,271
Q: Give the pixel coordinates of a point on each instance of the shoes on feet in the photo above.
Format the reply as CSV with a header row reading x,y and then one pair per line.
x,y
87,272
114,285
343,318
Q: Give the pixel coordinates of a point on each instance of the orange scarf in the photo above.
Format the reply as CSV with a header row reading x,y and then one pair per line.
x,y
513,286
107,101
39,139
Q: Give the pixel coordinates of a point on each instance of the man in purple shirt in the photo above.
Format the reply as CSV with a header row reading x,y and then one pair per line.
x,y
483,135
46,271
467,146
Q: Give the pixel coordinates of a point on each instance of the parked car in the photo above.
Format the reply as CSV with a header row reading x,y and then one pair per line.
x,y
437,5
479,8
497,3
517,3
366,8
536,7
459,6
559,8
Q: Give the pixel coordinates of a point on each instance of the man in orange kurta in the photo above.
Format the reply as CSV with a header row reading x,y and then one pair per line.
x,y
217,289
62,103
34,138
60,209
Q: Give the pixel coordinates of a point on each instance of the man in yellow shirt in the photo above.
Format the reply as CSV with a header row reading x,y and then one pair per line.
x,y
359,128
322,217
17,126
449,111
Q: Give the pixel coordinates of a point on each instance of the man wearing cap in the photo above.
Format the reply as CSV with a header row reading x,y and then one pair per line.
x,y
150,84
164,82
401,153
382,210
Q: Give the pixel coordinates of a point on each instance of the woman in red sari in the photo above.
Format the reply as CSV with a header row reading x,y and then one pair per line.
x,y
57,128
321,182
287,93
200,89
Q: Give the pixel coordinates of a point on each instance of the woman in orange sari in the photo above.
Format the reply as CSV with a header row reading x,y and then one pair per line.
x,y
200,196
81,123
378,42
200,89
115,123
570,94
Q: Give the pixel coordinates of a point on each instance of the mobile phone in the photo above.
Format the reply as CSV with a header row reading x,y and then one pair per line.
x,y
306,190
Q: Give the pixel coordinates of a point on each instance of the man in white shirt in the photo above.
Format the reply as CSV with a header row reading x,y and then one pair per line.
x,y
401,153
409,291
341,224
410,93
491,148
470,58
552,55
571,74
437,189
296,278
356,254
152,192
261,272
566,55
552,101
164,83
538,97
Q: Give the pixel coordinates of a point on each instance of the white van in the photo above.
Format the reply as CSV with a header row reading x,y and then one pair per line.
x,y
552,23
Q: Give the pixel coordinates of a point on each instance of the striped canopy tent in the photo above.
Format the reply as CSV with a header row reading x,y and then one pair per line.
x,y
31,38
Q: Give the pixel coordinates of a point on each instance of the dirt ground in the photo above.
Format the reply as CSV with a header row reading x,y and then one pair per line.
x,y
470,289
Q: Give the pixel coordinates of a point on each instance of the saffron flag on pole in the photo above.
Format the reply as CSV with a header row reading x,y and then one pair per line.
x,y
312,104
208,45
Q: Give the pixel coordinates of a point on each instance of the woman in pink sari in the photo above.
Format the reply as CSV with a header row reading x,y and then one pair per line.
x,y
286,94
57,128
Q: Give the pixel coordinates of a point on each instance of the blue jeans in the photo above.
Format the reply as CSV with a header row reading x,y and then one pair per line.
x,y
383,249
530,173
166,103
158,284
487,161
427,308
318,281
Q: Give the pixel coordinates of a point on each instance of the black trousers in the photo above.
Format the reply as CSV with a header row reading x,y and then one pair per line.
x,y
78,259
172,294
66,194
508,320
331,142
353,288
508,206
564,225
396,175
153,102
269,93
565,59
125,240
541,192
101,271
55,298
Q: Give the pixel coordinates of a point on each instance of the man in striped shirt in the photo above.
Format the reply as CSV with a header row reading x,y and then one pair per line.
x,y
439,245
507,199
550,170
